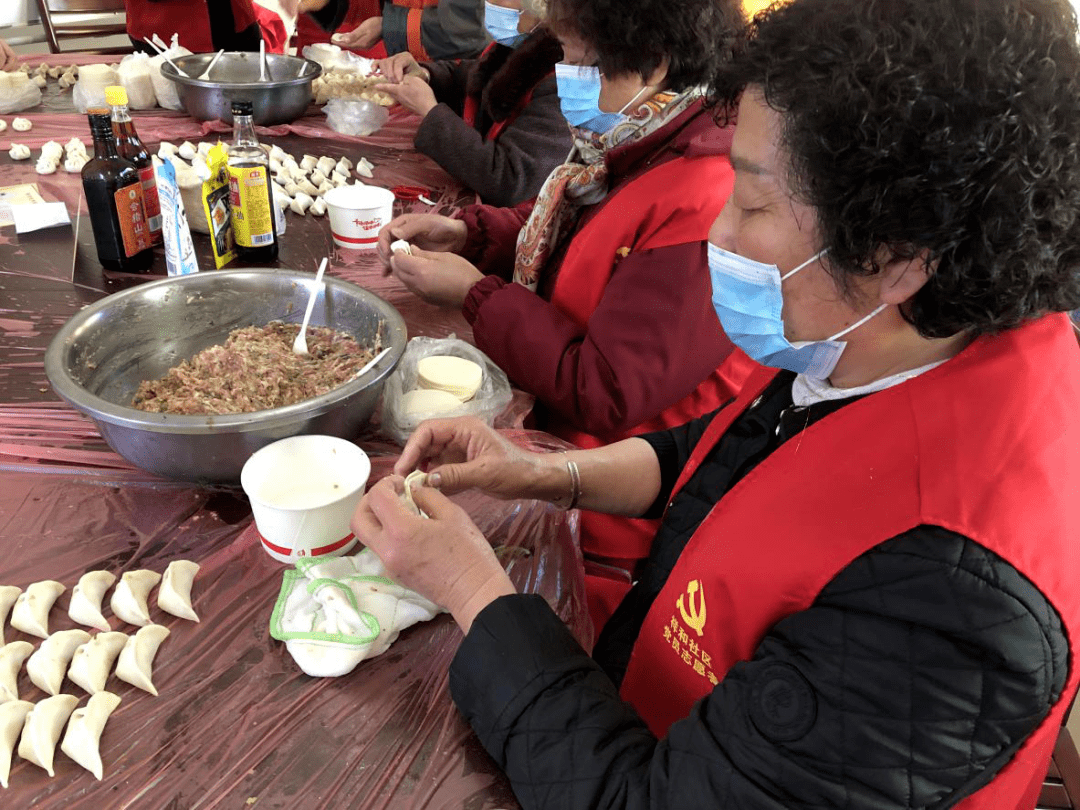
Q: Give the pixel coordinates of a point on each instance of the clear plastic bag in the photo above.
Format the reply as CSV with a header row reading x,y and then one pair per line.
x,y
17,92
89,90
359,118
134,74
491,400
165,89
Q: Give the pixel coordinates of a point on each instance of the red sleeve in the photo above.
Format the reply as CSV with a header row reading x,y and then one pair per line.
x,y
651,341
492,238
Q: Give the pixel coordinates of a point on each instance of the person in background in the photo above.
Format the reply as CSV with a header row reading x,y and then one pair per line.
x,y
427,29
204,26
595,298
865,592
493,122
8,59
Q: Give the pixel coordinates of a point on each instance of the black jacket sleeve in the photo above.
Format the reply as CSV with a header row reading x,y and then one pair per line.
x,y
673,447
506,170
918,672
448,78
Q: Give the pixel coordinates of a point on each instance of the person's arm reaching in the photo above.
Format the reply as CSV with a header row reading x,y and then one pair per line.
x,y
8,59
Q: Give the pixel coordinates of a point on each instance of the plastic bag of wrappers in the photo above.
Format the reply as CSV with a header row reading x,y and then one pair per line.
x,y
355,117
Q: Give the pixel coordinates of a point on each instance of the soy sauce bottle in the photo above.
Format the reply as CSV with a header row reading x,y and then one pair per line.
x,y
131,147
251,194
114,195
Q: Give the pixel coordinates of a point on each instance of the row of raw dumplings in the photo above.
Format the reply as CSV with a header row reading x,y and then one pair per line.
x,y
30,609
36,728
349,85
298,186
73,154
66,75
86,661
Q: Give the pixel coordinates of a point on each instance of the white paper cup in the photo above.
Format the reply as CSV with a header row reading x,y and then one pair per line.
x,y
303,492
357,214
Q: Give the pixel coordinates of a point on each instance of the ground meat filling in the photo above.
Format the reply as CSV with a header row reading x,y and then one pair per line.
x,y
254,370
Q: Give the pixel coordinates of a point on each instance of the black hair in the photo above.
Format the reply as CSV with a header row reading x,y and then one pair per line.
x,y
637,36
947,129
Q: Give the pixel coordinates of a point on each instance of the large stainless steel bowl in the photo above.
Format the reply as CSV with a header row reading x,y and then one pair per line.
x,y
235,77
100,356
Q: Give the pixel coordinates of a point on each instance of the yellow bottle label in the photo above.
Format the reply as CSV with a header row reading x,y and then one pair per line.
x,y
252,219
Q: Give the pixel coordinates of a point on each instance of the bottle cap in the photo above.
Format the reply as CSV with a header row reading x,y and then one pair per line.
x,y
243,108
116,94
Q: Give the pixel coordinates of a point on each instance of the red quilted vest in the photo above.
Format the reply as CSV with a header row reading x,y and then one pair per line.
x,y
985,445
638,216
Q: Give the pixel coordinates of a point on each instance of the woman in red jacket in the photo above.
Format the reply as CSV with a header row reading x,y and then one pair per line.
x,y
595,297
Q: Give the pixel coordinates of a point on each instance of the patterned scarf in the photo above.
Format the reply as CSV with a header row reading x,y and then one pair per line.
x,y
583,180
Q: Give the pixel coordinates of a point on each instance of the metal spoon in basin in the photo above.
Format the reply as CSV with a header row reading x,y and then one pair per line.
x,y
299,345
205,75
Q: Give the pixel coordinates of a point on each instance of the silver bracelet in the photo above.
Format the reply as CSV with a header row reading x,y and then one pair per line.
x,y
575,484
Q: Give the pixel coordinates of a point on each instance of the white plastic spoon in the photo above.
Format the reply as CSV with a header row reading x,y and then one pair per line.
x,y
372,362
300,344
262,62
205,75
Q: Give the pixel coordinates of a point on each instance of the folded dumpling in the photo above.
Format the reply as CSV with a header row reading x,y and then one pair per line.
x,y
47,666
129,598
82,742
85,607
12,718
92,662
174,595
136,662
42,728
12,656
8,595
31,611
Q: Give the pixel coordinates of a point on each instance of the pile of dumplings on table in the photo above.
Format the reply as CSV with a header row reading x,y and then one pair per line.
x,y
32,730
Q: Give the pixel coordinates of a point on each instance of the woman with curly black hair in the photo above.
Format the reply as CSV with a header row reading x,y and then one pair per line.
x,y
865,591
595,297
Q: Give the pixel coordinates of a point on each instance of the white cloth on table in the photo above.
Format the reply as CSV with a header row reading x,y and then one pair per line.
x,y
333,612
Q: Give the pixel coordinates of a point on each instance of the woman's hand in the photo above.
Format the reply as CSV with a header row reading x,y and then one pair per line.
x,y
465,453
8,59
412,93
443,279
425,231
443,557
364,36
397,67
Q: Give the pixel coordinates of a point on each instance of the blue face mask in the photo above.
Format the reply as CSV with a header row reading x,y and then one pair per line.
x,y
502,24
579,98
748,300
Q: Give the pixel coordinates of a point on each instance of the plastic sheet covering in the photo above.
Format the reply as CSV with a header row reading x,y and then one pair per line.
x,y
236,719
237,724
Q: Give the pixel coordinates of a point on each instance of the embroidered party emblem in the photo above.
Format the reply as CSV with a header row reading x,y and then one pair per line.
x,y
693,613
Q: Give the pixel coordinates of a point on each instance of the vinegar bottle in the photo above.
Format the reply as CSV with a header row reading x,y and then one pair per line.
x,y
114,196
131,148
251,193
